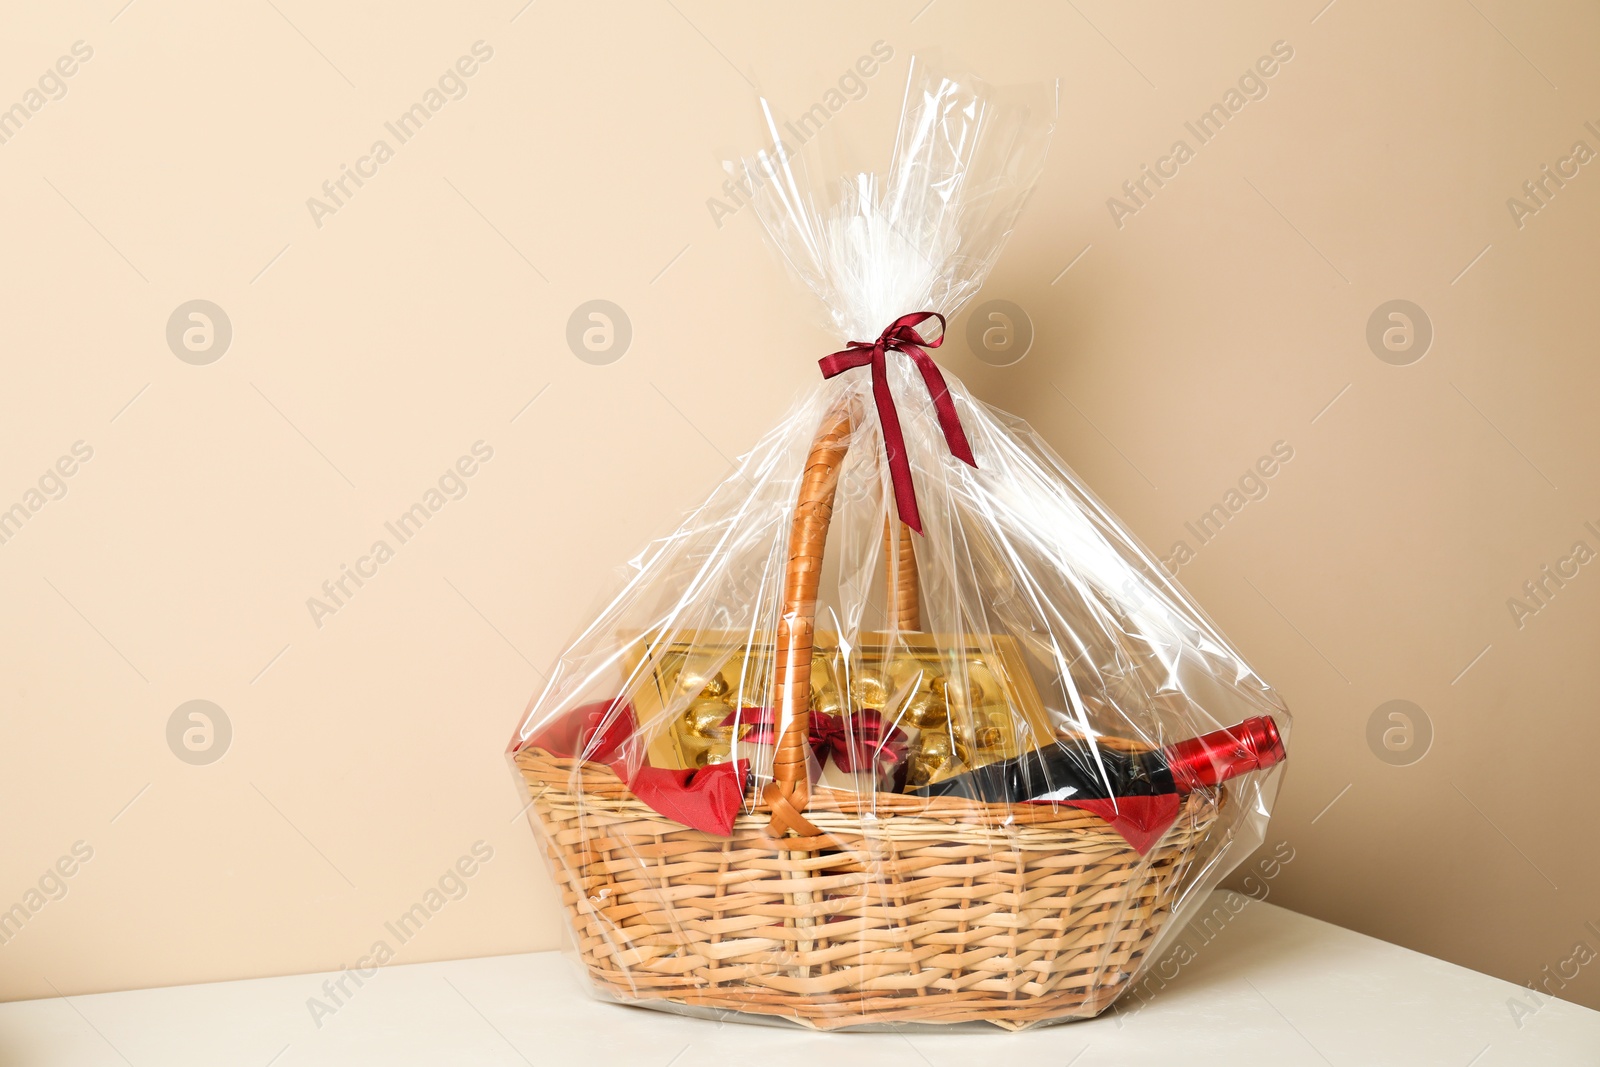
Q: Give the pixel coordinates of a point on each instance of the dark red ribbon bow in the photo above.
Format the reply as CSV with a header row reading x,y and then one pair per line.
x,y
862,741
859,742
902,336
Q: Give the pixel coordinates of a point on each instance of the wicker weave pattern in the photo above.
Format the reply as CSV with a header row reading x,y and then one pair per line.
x,y
948,912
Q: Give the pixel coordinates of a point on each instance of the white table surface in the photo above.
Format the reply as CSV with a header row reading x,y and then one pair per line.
x,y
1272,987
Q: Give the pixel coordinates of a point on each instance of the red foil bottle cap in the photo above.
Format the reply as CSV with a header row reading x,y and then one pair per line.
x,y
1213,758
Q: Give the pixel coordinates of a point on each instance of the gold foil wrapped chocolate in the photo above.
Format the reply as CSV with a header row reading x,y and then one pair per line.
x,y
693,681
927,711
705,717
825,695
701,736
936,754
907,671
867,690
991,741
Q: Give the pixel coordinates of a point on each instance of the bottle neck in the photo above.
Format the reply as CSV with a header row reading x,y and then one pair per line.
x,y
1213,758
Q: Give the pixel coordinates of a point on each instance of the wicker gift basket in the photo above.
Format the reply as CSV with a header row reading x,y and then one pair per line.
x,y
734,769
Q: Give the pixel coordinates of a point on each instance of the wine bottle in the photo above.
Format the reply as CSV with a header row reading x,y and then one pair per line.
x,y
1079,769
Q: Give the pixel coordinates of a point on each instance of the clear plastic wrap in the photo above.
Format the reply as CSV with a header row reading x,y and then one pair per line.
x,y
934,777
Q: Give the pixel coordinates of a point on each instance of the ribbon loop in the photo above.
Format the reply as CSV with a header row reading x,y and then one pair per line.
x,y
901,336
862,742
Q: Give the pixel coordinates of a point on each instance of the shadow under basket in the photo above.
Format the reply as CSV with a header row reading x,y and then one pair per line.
x,y
904,911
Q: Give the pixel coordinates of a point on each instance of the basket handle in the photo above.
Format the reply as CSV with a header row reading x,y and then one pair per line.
x,y
790,788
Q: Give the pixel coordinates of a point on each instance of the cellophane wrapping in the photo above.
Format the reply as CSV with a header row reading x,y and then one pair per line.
x,y
1041,620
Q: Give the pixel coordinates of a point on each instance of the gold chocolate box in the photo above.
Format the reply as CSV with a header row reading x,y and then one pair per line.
x,y
963,702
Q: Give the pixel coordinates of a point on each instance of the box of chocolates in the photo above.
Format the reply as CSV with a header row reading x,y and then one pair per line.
x,y
960,703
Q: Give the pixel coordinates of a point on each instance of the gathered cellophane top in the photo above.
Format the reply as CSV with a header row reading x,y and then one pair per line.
x,y
1023,614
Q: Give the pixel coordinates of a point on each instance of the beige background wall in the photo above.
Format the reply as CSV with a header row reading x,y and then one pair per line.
x,y
426,313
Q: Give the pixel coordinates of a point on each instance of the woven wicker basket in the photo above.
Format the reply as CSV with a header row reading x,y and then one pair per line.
x,y
834,910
